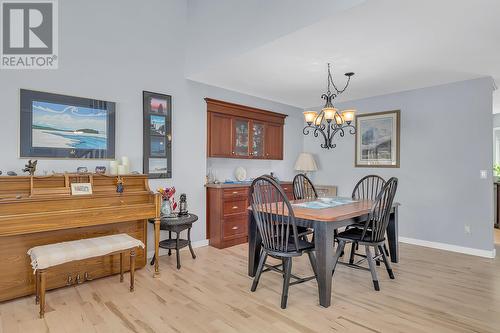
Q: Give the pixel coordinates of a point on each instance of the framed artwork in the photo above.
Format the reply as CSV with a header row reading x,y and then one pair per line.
x,y
157,118
60,126
377,139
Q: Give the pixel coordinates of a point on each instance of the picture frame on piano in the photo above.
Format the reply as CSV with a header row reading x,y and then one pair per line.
x,y
81,188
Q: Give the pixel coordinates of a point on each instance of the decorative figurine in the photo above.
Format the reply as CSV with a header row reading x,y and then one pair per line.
x,y
183,205
101,170
11,173
119,185
82,170
30,167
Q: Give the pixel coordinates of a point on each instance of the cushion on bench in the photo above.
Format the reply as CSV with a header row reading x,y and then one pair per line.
x,y
45,256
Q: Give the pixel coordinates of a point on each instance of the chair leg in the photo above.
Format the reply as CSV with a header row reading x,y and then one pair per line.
x,y
189,244
336,258
286,282
373,267
386,262
121,266
312,260
262,261
283,264
132,269
335,240
377,253
42,292
353,252
386,250
37,287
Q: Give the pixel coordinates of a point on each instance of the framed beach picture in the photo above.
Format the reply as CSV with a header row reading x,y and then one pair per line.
x,y
157,135
377,139
60,126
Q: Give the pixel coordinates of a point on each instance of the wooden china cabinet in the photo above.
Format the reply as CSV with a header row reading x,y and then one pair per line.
x,y
238,131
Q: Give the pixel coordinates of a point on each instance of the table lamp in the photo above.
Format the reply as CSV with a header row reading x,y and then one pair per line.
x,y
305,162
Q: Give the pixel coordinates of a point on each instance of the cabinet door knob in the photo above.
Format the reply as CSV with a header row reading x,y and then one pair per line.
x,y
233,152
234,228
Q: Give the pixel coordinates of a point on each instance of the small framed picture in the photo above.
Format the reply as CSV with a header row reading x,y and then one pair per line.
x,y
158,126
81,188
158,146
377,139
159,104
158,165
157,135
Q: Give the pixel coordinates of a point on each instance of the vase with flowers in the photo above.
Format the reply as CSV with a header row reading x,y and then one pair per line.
x,y
168,205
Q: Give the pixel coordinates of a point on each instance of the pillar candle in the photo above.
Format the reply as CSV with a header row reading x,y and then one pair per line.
x,y
122,170
113,167
126,164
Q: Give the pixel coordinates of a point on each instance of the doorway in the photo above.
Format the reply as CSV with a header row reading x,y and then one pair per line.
x,y
496,183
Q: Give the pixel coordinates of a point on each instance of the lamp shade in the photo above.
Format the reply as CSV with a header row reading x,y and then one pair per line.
x,y
305,162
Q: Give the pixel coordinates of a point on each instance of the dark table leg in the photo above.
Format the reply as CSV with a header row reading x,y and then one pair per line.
x,y
189,243
169,237
392,235
254,245
323,242
177,248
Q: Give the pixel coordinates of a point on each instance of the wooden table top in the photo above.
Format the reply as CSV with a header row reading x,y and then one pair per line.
x,y
334,214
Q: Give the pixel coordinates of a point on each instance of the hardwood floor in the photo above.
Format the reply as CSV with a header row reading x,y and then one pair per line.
x,y
434,291
497,236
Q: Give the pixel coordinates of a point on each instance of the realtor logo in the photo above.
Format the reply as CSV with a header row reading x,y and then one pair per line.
x,y
29,35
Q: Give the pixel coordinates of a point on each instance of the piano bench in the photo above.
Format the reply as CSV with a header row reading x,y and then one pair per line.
x,y
47,256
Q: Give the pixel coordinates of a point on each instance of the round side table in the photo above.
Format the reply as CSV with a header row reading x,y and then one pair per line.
x,y
176,224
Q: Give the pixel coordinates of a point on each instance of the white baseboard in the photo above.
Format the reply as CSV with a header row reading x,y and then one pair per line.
x,y
196,244
450,247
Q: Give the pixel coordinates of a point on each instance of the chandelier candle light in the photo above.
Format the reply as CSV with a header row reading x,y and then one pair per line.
x,y
329,121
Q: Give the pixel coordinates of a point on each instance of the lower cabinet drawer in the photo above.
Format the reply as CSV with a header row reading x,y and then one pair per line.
x,y
235,226
239,192
235,207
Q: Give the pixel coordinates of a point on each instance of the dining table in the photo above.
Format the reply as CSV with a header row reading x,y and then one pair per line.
x,y
324,222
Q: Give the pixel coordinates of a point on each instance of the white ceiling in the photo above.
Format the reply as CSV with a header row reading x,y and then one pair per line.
x,y
392,45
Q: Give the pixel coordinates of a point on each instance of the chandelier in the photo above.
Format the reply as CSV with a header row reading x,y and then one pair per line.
x,y
329,121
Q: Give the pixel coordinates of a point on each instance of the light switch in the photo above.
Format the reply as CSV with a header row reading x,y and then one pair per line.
x,y
484,174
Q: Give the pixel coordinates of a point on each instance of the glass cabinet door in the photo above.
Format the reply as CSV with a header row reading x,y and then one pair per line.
x,y
241,137
257,139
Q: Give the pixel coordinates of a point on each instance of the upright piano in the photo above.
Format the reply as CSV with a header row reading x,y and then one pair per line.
x,y
41,210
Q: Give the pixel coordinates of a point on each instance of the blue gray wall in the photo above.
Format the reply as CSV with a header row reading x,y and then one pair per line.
x,y
446,139
120,54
